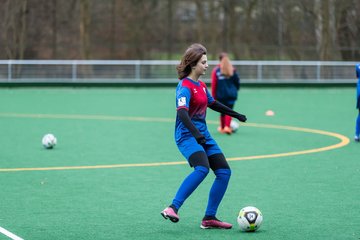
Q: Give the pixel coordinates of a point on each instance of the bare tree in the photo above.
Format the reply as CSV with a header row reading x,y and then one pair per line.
x,y
15,28
200,21
54,28
325,29
85,19
169,35
349,30
152,29
249,10
214,29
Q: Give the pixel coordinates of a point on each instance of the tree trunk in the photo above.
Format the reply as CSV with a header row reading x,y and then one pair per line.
x,y
169,40
15,28
54,28
85,29
199,21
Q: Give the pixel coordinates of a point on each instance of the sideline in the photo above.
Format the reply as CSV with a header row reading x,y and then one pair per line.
x,y
10,234
343,141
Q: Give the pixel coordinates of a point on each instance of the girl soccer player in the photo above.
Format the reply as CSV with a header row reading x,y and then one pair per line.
x,y
357,126
194,140
225,83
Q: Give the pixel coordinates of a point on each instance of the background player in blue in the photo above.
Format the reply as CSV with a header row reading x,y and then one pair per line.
x,y
225,83
357,127
194,140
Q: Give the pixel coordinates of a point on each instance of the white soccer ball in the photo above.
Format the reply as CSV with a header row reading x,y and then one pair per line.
x,y
234,125
249,219
49,141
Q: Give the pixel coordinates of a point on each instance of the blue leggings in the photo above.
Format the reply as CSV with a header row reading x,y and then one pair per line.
x,y
357,126
193,180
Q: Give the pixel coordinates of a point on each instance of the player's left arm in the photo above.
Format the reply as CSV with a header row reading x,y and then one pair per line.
x,y
221,108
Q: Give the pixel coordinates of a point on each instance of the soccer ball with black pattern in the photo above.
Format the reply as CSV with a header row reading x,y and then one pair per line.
x,y
249,219
49,141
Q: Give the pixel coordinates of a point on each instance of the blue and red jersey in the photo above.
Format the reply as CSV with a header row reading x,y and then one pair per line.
x,y
195,98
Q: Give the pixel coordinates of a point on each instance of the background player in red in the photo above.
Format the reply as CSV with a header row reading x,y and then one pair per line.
x,y
225,83
194,140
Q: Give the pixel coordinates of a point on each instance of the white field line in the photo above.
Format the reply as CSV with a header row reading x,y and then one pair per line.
x,y
9,234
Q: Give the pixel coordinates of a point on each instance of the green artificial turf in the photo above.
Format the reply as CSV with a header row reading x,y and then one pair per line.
x,y
305,196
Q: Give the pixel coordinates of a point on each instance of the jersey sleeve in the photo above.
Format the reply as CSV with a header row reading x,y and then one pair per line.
x,y
183,96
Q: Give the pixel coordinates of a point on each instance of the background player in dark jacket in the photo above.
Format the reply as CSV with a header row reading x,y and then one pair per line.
x,y
357,128
225,83
194,140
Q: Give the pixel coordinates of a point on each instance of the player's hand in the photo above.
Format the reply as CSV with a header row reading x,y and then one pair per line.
x,y
200,139
241,118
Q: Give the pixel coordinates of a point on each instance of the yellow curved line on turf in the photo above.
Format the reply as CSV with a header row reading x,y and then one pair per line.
x,y
344,141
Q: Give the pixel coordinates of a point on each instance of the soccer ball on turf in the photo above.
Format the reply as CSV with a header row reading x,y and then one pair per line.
x,y
249,219
234,125
49,141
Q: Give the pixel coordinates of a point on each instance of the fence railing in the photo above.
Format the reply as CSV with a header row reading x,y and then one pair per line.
x,y
159,71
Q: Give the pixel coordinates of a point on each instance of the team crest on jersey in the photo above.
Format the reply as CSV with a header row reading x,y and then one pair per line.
x,y
181,101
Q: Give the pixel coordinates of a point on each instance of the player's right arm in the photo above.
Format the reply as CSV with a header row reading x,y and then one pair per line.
x,y
183,115
183,96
